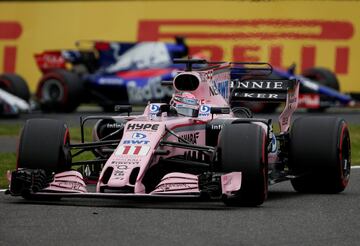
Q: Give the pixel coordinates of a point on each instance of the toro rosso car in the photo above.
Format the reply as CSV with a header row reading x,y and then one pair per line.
x,y
111,73
107,73
194,147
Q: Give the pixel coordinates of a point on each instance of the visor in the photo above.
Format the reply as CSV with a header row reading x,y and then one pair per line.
x,y
187,111
189,101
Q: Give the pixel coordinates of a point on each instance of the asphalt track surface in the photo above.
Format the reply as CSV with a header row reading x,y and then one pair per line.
x,y
286,218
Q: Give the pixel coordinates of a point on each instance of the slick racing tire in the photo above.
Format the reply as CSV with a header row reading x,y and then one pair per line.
x,y
15,85
320,153
59,91
242,148
44,144
323,77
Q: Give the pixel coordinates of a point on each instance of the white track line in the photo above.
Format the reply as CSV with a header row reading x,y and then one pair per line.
x,y
353,167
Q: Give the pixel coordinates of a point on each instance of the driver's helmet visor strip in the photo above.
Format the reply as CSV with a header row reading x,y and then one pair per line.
x,y
187,111
189,101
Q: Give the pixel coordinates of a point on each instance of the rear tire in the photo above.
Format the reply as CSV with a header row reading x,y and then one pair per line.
x,y
15,85
44,144
242,148
320,151
59,91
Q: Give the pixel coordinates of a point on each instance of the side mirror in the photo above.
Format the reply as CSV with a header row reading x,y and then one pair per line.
x,y
220,110
164,108
123,109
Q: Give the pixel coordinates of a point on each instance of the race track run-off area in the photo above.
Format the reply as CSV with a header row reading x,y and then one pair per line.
x,y
286,218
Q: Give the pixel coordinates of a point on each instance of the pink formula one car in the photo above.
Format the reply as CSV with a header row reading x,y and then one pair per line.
x,y
196,146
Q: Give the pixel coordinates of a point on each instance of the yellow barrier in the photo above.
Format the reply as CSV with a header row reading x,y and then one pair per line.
x,y
308,33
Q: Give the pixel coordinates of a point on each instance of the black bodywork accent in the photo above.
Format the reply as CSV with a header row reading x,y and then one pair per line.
x,y
212,130
118,126
214,127
26,181
268,90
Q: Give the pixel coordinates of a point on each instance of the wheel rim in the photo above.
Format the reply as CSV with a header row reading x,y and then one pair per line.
x,y
52,91
345,159
4,84
315,77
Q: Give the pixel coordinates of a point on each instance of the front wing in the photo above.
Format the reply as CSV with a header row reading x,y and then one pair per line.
x,y
36,183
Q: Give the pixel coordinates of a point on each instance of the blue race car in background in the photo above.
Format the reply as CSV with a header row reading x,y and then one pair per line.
x,y
109,73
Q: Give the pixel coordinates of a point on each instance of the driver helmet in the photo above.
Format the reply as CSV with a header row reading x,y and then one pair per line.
x,y
185,104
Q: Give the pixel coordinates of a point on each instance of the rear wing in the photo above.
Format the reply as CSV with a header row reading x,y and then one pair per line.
x,y
237,68
268,90
261,90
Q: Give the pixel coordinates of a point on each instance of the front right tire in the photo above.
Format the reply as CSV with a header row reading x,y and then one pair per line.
x,y
44,144
242,148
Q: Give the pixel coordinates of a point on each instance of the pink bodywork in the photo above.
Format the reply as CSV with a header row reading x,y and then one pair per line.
x,y
69,181
177,183
142,134
127,156
292,101
231,183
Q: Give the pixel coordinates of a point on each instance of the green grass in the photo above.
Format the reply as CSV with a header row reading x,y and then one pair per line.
x,y
8,160
75,132
355,144
10,129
